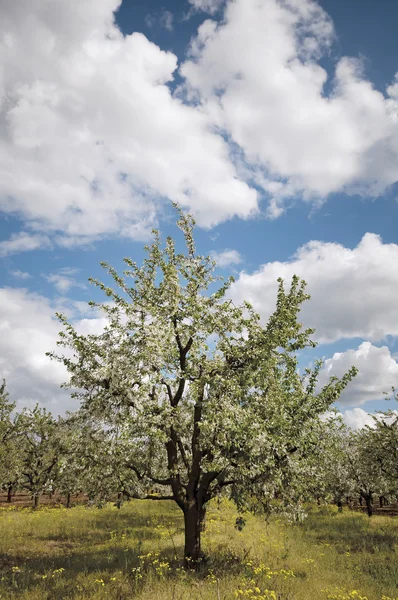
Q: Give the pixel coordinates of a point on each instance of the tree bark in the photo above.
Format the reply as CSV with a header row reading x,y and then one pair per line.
x,y
68,497
369,503
36,501
340,505
194,522
9,494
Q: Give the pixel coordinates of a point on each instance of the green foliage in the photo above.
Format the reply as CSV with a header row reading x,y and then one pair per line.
x,y
9,453
40,446
200,394
6,408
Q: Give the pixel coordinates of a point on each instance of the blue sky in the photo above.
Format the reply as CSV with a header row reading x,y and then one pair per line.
x,y
275,123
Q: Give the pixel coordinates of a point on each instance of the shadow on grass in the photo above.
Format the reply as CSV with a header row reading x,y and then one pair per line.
x,y
77,564
353,533
106,563
110,543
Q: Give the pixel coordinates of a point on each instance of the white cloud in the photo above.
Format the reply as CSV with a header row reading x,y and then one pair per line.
x,y
92,138
21,274
257,74
28,330
163,19
64,280
23,242
226,257
357,418
353,291
91,123
209,6
378,373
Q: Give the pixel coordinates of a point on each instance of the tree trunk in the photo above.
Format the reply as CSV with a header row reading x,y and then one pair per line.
x,y
9,494
193,522
369,503
340,505
36,500
68,497
360,500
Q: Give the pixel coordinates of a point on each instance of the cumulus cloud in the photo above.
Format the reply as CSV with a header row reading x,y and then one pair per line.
x,y
27,331
353,291
257,73
225,258
92,138
378,373
23,242
357,418
64,280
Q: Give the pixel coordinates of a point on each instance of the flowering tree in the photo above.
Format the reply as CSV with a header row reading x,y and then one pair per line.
x,y
374,458
6,408
40,447
206,396
325,474
94,462
9,453
385,446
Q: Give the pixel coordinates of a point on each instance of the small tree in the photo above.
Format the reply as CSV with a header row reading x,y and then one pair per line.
x,y
40,450
365,470
209,398
385,445
325,474
77,449
9,452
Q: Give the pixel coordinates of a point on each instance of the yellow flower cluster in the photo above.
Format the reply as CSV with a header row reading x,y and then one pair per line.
x,y
152,561
265,571
136,571
253,592
211,578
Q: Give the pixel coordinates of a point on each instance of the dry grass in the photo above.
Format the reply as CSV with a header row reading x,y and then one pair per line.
x,y
92,554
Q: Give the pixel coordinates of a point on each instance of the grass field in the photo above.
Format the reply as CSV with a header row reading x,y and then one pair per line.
x,y
135,552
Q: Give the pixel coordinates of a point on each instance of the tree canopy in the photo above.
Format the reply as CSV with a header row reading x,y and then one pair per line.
x,y
202,396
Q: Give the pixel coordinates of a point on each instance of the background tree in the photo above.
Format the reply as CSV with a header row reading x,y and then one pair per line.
x,y
40,444
385,446
368,478
210,398
324,475
10,463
